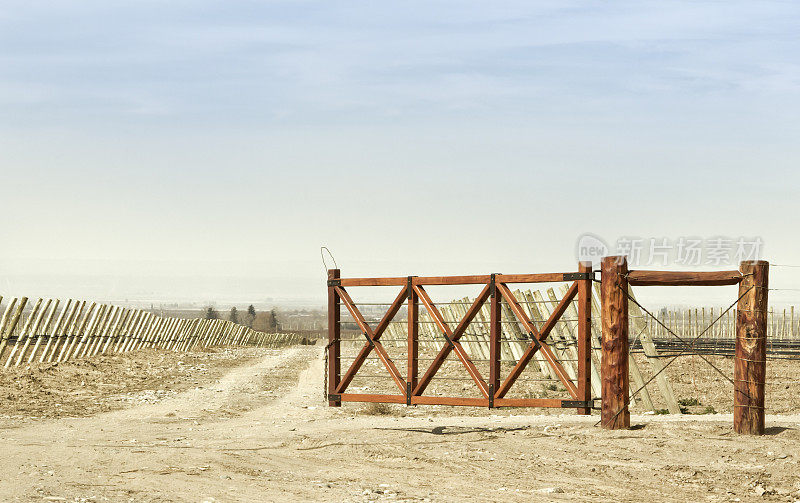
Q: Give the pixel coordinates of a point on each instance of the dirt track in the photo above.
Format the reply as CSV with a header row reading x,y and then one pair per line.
x,y
262,433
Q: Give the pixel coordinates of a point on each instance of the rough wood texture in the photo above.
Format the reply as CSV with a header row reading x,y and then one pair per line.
x,y
750,365
683,278
614,367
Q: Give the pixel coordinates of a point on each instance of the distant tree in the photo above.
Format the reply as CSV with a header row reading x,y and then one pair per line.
x,y
211,313
251,315
272,321
234,316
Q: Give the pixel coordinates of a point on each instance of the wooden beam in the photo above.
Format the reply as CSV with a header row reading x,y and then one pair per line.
x,y
412,366
371,281
475,279
495,332
456,401
683,278
550,277
584,337
334,338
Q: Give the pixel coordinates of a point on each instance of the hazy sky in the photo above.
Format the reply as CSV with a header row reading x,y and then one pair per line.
x,y
206,150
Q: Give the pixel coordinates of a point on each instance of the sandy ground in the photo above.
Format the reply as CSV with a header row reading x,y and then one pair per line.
x,y
261,432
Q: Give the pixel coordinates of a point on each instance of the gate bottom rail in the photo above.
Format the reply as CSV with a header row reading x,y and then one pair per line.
x,y
464,401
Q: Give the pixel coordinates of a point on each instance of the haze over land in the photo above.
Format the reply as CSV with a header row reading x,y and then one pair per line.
x,y
199,150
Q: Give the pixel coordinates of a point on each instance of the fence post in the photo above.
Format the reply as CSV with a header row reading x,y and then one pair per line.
x,y
750,365
413,340
614,368
334,337
585,336
495,346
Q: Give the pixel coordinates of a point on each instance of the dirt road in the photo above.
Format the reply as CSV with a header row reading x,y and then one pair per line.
x,y
262,433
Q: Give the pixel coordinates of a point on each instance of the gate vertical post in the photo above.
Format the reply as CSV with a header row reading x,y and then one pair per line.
x,y
495,333
585,336
334,337
413,340
750,362
614,368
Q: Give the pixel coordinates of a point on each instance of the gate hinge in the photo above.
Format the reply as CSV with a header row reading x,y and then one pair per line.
x,y
491,395
492,286
334,282
408,393
573,276
569,404
334,397
410,287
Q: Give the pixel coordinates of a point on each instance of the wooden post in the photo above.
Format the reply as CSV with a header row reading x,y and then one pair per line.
x,y
585,336
334,337
495,334
614,368
750,365
413,341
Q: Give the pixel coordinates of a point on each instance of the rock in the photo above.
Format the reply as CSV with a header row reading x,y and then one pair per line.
x,y
550,490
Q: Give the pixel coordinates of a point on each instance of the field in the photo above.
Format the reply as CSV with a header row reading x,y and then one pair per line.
x,y
249,424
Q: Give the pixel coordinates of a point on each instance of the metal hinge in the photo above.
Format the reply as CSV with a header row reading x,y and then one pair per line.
x,y
569,404
492,286
334,282
408,393
574,276
410,287
334,397
491,395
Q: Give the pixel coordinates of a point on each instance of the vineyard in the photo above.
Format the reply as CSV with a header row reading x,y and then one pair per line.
x,y
83,329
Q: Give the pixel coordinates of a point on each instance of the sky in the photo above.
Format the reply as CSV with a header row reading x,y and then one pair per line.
x,y
204,151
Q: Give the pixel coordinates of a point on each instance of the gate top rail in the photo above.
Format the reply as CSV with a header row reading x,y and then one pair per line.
x,y
552,277
684,278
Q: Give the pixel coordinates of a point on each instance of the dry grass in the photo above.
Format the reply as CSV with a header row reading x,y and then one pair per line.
x,y
380,409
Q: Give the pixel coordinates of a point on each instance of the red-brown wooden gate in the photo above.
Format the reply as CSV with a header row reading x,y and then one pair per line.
x,y
411,386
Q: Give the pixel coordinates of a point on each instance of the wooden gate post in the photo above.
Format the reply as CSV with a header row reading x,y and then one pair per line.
x,y
750,362
334,337
585,336
614,367
413,340
495,336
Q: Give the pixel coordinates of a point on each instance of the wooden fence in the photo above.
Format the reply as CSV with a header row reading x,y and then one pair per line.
x,y
539,306
82,329
646,336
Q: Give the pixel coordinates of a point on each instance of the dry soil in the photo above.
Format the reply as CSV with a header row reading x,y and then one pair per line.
x,y
251,425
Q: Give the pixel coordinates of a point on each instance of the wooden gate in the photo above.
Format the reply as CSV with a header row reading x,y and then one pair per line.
x,y
411,387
